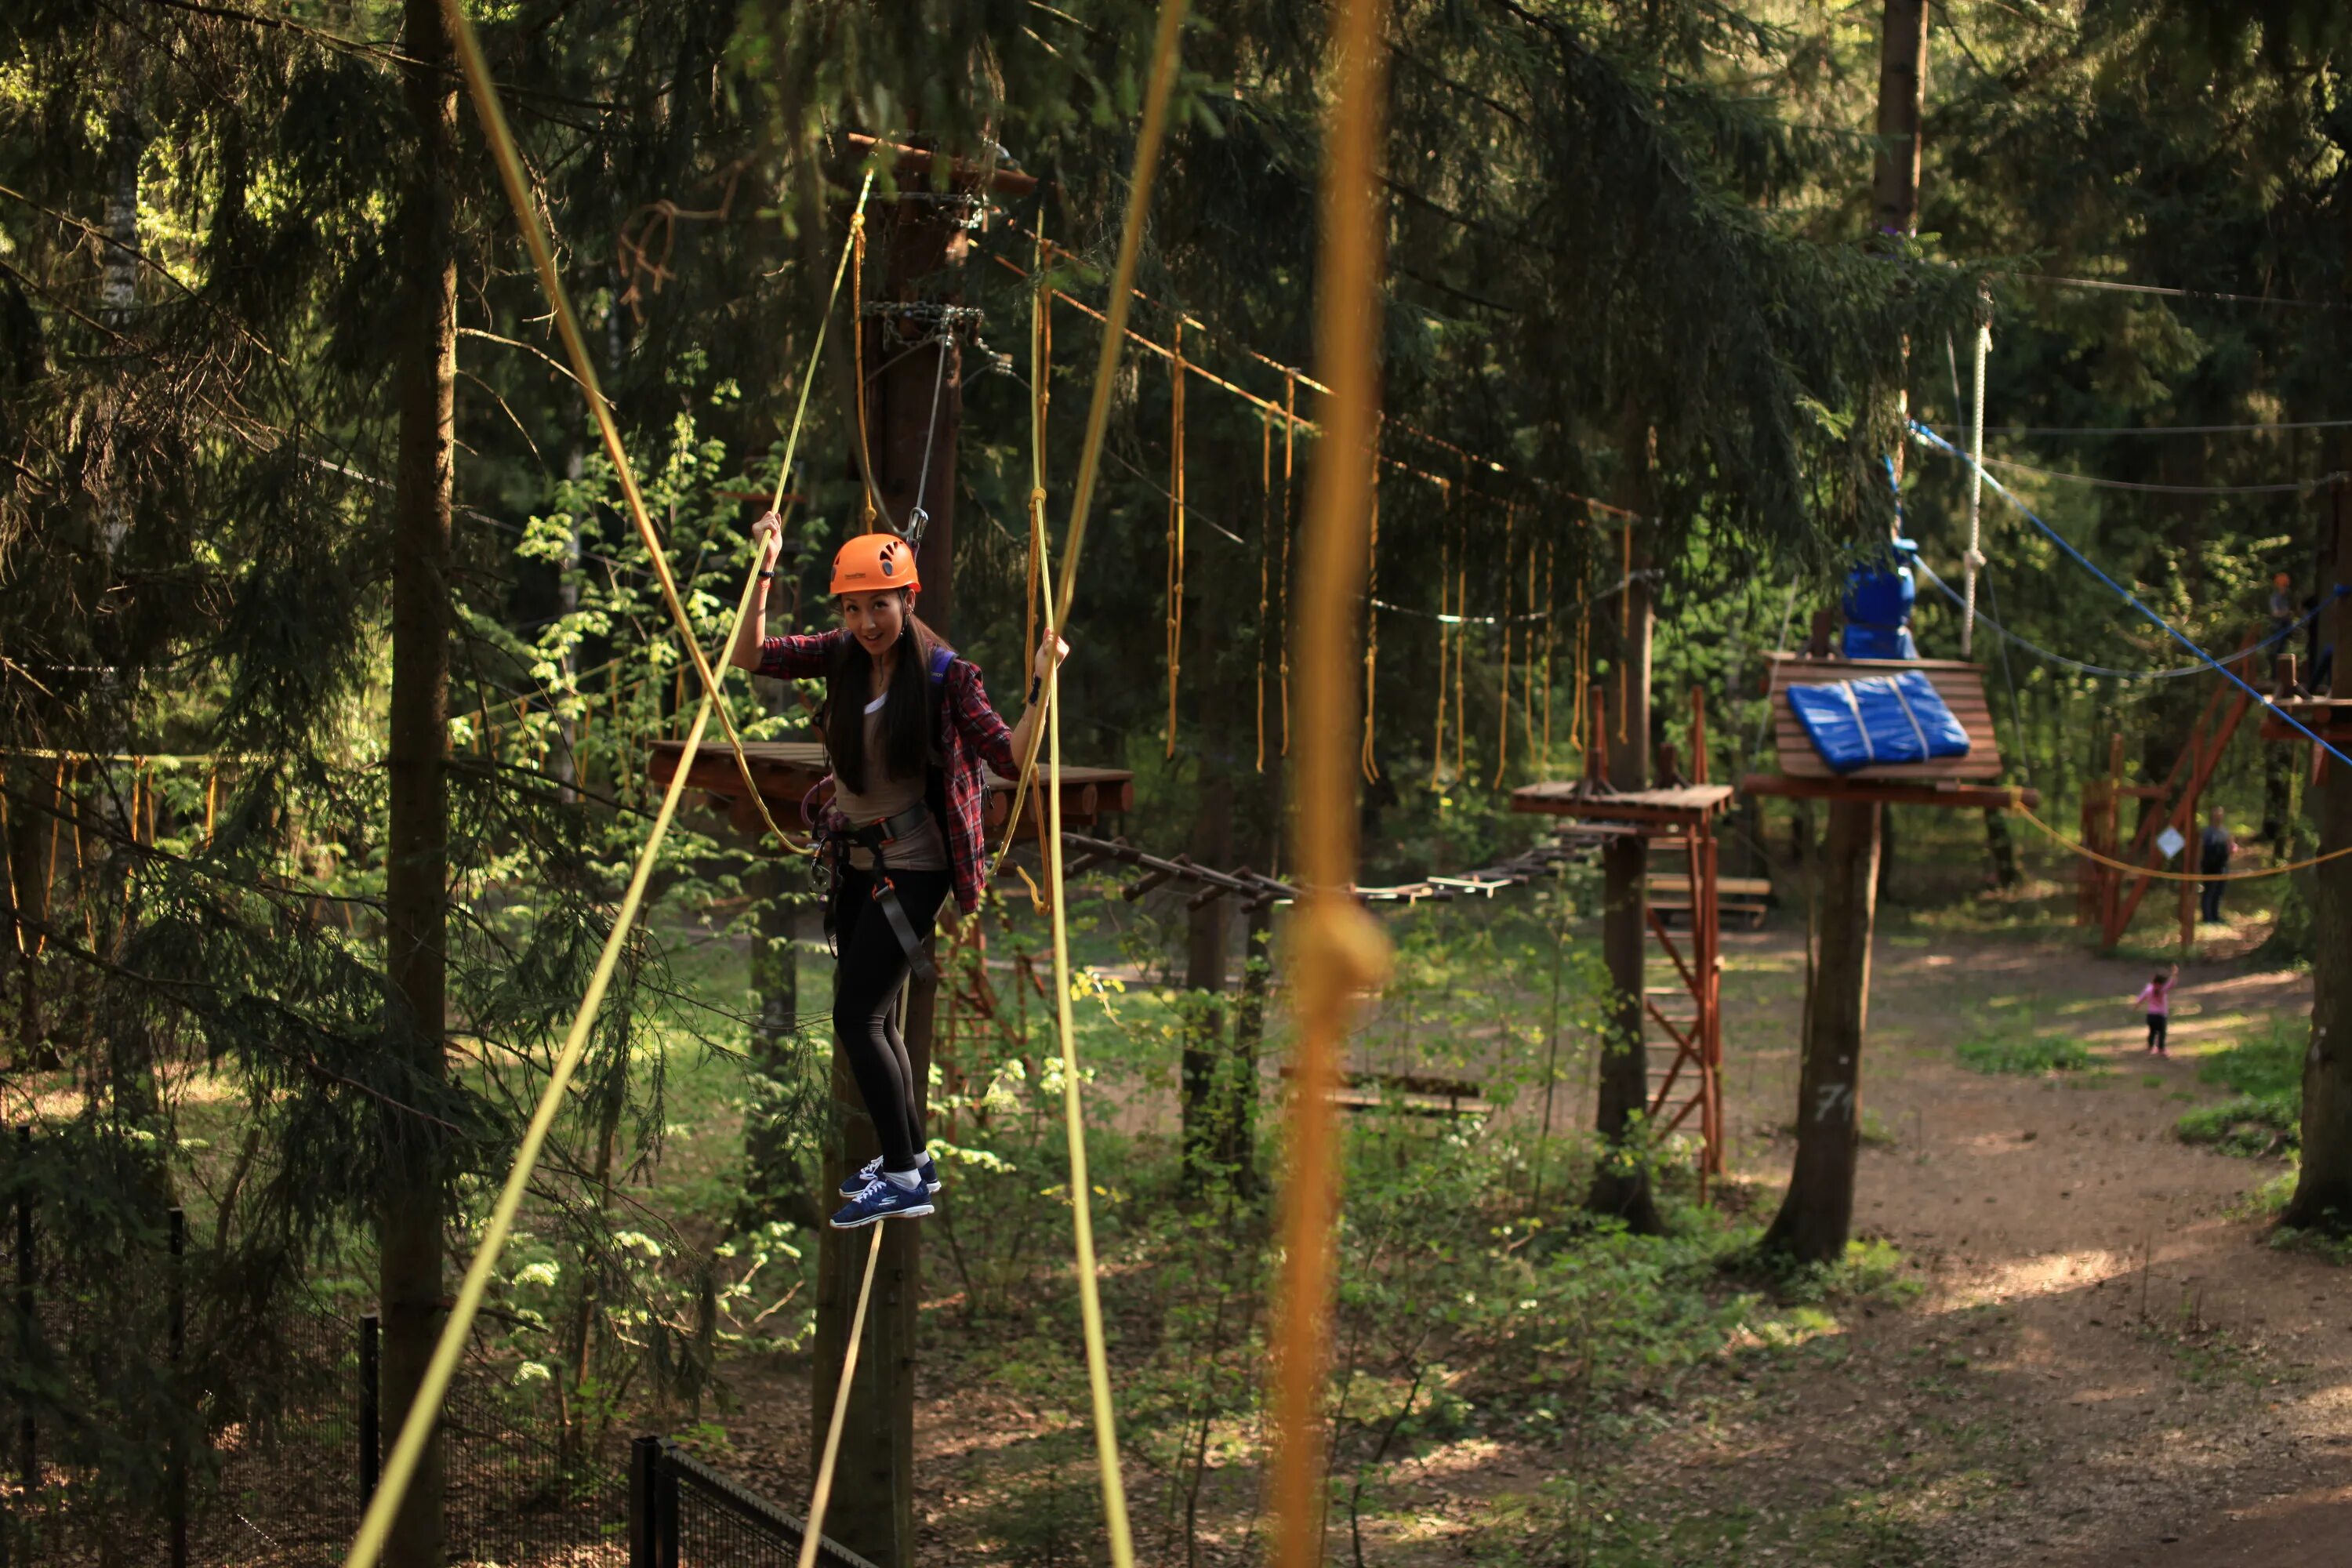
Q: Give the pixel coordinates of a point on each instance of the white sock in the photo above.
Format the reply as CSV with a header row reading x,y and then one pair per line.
x,y
904,1181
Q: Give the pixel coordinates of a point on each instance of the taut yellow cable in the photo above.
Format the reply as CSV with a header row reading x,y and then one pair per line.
x,y
534,227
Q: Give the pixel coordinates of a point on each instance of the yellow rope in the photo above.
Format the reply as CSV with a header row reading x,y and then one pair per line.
x,y
858,351
535,239
1371,769
1461,651
1289,448
1161,87
822,1493
424,1413
1437,746
1503,705
1339,947
1175,534
1624,633
1041,366
1550,652
1264,493
8,864
1527,663
2019,806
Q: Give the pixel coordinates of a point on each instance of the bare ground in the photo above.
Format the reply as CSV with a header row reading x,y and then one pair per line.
x,y
2106,1367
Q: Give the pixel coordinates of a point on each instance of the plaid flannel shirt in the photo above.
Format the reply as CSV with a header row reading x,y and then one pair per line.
x,y
972,738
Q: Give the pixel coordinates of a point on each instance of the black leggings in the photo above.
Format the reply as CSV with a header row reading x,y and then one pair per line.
x,y
865,985
2155,1025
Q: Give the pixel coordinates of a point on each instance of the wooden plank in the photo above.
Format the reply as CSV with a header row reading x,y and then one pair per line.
x,y
1956,796
1961,684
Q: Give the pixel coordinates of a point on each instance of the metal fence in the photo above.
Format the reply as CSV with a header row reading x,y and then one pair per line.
x,y
288,1464
681,1511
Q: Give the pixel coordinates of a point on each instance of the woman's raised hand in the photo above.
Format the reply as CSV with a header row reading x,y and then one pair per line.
x,y
768,535
1050,654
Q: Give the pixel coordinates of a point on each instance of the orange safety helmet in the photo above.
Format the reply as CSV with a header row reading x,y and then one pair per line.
x,y
874,563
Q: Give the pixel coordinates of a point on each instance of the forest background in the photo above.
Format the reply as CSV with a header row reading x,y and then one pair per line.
x,y
1635,271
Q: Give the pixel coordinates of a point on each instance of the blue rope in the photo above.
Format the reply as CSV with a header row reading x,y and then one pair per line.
x,y
2035,649
1928,437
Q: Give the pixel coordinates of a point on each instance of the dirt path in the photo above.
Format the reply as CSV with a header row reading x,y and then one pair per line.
x,y
2105,1367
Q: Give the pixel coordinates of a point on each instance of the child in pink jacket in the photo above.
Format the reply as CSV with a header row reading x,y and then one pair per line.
x,y
2155,999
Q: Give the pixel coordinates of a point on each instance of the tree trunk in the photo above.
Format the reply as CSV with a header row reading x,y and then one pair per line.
x,y
777,1184
2323,1191
916,402
1818,1214
1208,929
409,1262
1902,94
1621,1178
2000,849
1237,1124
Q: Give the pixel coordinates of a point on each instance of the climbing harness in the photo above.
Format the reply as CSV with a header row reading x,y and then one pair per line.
x,y
830,864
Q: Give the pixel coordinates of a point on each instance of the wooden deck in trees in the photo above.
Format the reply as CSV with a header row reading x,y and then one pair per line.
x,y
1955,783
785,771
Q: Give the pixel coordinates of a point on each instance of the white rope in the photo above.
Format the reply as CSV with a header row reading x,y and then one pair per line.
x,y
1975,556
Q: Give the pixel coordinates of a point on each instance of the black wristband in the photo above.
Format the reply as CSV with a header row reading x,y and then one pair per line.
x,y
1036,686
767,576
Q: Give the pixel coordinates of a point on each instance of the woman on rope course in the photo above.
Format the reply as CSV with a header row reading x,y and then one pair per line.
x,y
908,727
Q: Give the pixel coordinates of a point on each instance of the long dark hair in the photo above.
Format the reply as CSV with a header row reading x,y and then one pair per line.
x,y
906,707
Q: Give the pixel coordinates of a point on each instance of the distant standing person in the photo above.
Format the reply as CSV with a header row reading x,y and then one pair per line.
x,y
2282,616
2155,999
2214,847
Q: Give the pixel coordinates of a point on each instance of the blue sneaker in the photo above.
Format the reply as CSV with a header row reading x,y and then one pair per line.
x,y
879,1199
856,1181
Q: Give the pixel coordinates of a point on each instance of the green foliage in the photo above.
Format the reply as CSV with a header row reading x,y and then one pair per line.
x,y
2006,1045
2263,1074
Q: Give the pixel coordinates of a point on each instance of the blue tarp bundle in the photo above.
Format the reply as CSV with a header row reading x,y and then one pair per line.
x,y
1878,722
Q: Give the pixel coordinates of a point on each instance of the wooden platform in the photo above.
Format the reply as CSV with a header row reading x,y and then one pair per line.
x,y
1747,899
1663,811
785,771
1413,1094
1953,781
2329,717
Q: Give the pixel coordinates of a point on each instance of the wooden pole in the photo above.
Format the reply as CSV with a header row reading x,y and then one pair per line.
x,y
409,1256
1621,1179
914,416
1818,1212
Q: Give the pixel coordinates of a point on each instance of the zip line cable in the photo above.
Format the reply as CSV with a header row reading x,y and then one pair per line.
x,y
2176,673
2283,486
1928,437
424,1409
535,234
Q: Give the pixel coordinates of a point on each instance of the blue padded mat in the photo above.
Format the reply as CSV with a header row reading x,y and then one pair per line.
x,y
1880,721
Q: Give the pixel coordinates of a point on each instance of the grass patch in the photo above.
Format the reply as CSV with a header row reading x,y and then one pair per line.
x,y
2015,1045
2263,1115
